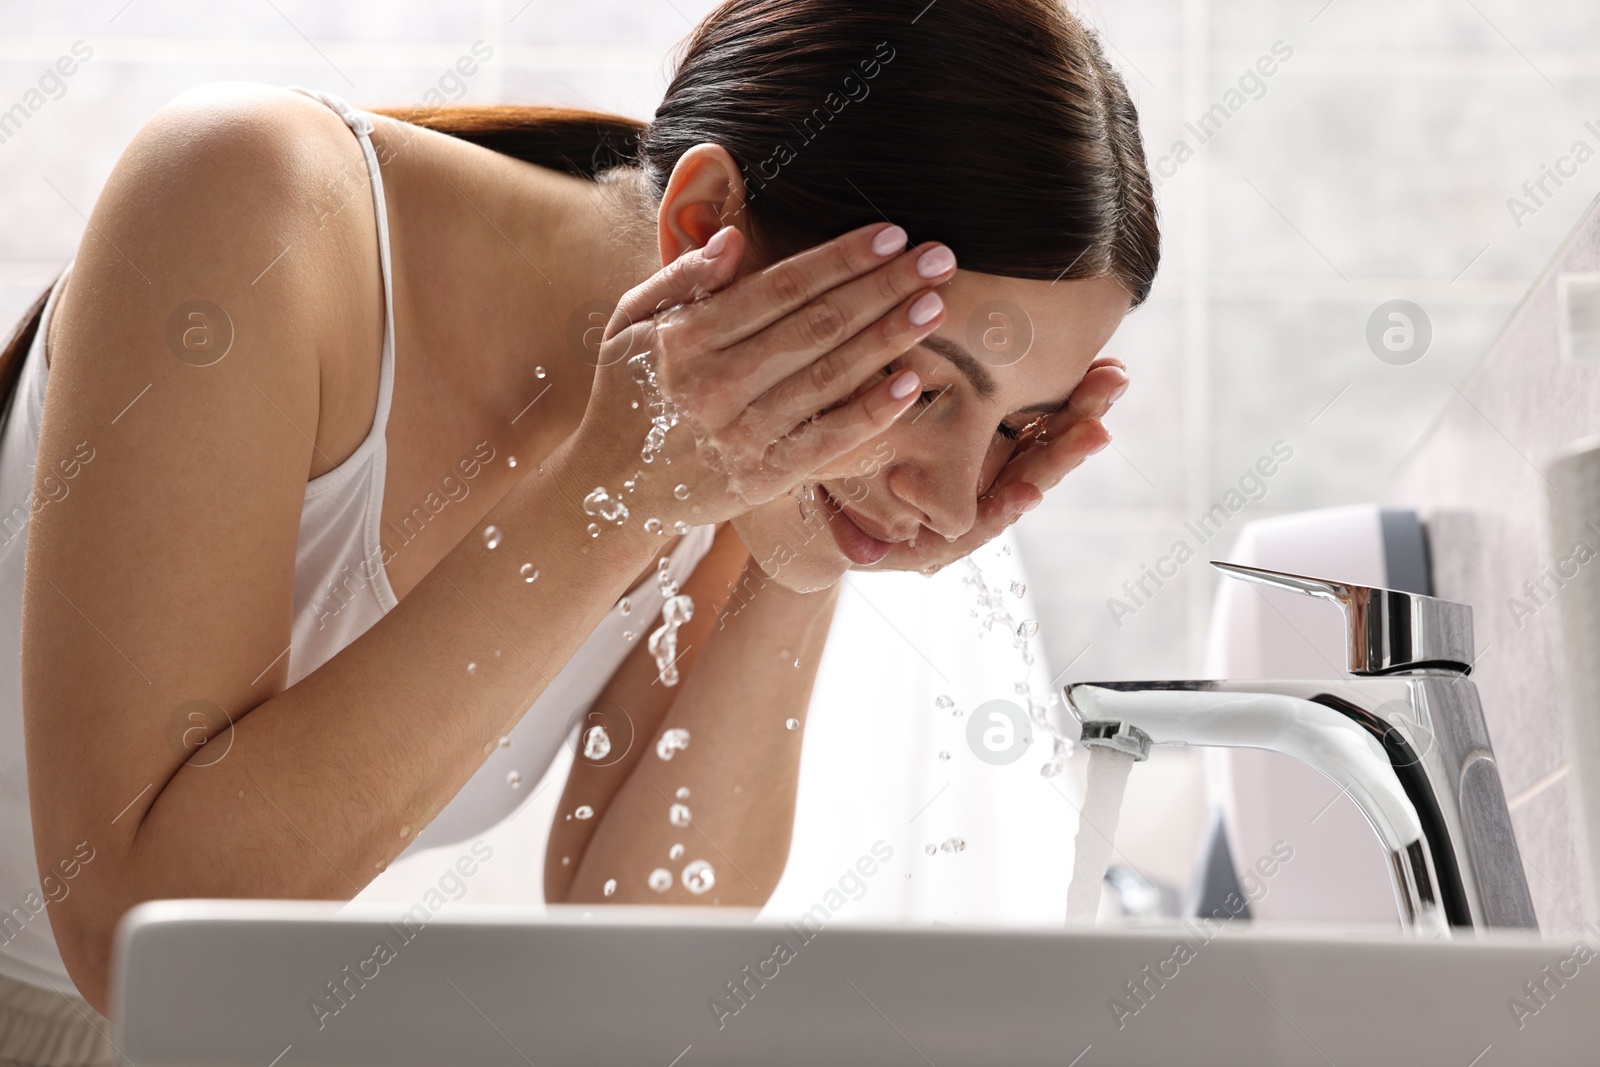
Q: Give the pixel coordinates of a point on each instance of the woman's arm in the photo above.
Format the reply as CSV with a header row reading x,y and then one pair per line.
x,y
741,768
631,707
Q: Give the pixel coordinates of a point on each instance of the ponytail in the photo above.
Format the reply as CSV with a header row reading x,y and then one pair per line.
x,y
585,144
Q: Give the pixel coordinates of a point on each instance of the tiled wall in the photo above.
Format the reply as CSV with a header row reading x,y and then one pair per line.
x,y
1375,164
1480,481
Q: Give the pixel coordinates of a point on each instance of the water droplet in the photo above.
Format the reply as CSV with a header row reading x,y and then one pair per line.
x,y
698,877
681,492
583,811
635,405
594,530
680,527
491,537
511,461
529,572
784,653
791,724
405,831
679,815
538,372
932,850
944,703
652,526
596,743
797,664
602,504
695,509
627,605
488,747
514,780
566,861
1027,629
1005,550
660,880
682,793
675,852
610,888
672,742
505,742
472,668
1018,589
944,754
628,635
954,844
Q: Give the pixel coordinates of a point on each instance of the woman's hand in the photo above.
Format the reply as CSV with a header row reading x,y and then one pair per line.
x,y
760,371
1051,450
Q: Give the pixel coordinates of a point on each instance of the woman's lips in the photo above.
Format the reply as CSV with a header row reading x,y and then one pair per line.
x,y
858,546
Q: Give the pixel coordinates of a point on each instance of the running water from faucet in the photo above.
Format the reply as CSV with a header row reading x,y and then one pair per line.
x,y
1097,829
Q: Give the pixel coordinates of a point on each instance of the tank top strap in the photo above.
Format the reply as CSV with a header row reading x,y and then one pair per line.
x,y
362,126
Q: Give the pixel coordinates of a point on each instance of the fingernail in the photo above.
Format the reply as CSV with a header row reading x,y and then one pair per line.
x,y
1116,394
889,241
1101,447
1030,505
904,385
925,309
718,242
935,261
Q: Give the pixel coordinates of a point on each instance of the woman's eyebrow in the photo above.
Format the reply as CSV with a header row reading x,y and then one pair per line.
x,y
982,381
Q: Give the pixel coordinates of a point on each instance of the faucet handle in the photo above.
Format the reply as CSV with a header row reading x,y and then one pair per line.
x,y
1389,630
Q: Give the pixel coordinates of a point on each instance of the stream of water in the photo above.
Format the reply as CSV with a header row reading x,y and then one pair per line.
x,y
1097,830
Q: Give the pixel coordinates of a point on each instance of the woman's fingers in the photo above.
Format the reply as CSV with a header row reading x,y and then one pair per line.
x,y
820,440
692,276
812,343
838,374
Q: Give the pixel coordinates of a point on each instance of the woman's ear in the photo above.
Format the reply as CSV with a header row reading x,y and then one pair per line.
x,y
705,193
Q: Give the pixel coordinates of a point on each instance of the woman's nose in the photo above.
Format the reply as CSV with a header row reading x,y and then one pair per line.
x,y
943,493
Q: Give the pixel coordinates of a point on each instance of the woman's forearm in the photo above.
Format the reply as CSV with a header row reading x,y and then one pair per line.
x,y
631,707
326,782
743,708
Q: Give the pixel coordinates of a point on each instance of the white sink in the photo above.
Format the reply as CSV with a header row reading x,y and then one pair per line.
x,y
222,983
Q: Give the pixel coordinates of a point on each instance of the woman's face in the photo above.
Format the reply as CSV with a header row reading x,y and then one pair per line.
x,y
1009,351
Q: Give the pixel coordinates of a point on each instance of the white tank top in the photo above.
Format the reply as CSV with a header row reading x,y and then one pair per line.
x,y
340,589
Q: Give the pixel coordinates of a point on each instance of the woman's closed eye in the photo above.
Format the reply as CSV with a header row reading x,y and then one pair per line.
x,y
926,398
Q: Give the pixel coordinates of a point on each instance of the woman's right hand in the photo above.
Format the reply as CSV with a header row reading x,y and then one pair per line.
x,y
765,371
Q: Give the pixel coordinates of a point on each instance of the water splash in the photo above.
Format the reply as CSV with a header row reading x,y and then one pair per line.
x,y
602,504
675,611
664,414
1097,829
671,742
596,744
698,877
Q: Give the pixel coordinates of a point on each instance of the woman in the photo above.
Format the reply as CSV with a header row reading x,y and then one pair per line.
x,y
255,399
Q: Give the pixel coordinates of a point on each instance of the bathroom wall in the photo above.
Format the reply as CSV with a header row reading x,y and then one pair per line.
x,y
1479,480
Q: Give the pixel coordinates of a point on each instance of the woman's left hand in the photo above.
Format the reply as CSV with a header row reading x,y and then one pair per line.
x,y
1047,454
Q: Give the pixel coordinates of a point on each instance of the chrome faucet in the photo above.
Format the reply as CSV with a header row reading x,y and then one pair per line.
x,y
1405,737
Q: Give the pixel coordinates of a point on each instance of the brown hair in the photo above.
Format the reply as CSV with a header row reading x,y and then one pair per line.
x,y
996,126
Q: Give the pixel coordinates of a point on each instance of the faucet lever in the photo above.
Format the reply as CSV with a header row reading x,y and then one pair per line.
x,y
1389,630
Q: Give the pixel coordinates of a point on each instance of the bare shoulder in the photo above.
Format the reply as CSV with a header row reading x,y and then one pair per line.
x,y
239,220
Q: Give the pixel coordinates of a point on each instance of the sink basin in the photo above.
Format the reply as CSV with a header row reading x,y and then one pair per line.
x,y
300,984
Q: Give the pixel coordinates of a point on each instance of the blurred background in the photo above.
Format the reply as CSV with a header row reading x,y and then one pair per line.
x,y
1376,162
